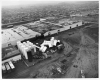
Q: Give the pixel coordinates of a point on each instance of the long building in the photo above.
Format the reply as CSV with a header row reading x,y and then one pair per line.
x,y
73,25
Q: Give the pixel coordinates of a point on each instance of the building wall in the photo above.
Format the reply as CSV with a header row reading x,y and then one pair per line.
x,y
64,28
74,25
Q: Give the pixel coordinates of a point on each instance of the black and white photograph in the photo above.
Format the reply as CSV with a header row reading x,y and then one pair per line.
x,y
49,39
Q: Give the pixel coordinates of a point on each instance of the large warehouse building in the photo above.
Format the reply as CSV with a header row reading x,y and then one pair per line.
x,y
18,33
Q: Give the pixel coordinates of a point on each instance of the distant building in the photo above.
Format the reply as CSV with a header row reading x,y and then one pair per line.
x,y
42,19
74,15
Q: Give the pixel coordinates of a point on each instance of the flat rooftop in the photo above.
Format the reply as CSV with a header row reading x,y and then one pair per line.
x,y
17,33
42,27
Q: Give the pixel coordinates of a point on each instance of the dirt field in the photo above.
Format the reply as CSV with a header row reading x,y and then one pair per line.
x,y
87,58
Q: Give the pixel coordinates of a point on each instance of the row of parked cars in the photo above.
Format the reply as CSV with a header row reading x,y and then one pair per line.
x,y
8,67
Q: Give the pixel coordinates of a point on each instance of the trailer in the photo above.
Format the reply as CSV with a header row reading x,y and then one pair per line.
x,y
11,65
7,67
82,74
3,68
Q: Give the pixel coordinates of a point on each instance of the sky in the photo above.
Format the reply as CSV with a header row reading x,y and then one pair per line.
x,y
24,2
27,2
18,2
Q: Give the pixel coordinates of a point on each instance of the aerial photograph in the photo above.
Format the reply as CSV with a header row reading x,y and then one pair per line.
x,y
49,39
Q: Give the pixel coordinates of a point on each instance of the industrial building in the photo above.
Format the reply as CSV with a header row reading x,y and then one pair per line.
x,y
73,25
17,44
10,53
18,33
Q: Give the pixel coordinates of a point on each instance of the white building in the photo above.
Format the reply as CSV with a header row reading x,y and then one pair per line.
x,y
76,24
